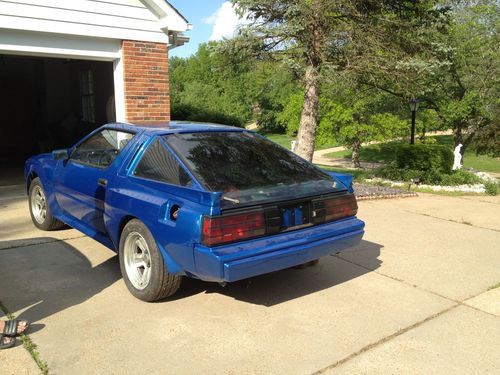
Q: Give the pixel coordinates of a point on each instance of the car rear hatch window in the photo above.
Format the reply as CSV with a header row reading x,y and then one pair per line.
x,y
249,169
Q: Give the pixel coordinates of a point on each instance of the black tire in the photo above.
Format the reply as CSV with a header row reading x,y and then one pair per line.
x,y
161,283
46,222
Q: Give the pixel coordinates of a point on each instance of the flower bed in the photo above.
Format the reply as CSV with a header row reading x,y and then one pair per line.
x,y
474,188
365,191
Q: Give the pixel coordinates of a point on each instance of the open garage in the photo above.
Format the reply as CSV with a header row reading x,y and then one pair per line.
x,y
67,68
49,103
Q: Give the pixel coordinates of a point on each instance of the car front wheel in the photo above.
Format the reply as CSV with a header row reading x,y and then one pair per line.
x,y
39,208
142,266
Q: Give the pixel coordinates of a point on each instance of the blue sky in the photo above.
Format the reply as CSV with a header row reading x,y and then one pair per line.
x,y
211,20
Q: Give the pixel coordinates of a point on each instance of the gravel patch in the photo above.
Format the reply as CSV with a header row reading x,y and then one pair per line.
x,y
363,192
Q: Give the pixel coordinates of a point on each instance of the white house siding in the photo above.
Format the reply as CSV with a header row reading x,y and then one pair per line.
x,y
114,19
30,43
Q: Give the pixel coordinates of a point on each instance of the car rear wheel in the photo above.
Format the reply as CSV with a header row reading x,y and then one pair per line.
x,y
39,208
142,265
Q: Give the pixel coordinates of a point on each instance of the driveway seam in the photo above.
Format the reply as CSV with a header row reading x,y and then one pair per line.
x,y
384,340
460,302
43,243
452,221
401,281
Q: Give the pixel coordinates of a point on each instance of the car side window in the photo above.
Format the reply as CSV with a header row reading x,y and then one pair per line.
x,y
102,148
159,164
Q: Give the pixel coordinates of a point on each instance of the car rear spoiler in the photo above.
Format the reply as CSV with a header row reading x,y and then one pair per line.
x,y
344,178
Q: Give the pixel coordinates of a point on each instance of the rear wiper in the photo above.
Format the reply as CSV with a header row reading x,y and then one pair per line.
x,y
232,200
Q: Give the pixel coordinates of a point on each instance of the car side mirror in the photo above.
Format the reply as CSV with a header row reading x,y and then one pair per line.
x,y
60,154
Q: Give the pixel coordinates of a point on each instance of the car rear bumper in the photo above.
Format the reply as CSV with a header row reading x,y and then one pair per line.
x,y
255,257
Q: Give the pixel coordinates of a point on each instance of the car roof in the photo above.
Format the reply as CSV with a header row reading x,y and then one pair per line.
x,y
172,127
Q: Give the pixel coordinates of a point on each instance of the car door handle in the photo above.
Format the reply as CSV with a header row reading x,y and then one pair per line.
x,y
102,182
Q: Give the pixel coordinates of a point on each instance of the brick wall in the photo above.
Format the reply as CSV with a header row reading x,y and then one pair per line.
x,y
145,70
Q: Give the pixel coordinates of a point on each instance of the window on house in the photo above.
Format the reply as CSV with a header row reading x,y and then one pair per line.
x,y
87,95
159,164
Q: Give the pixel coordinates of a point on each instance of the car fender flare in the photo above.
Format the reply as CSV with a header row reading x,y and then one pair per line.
x,y
34,170
31,174
172,266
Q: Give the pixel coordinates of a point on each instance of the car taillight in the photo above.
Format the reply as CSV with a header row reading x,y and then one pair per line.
x,y
338,208
224,229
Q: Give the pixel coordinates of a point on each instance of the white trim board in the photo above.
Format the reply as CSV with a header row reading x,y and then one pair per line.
x,y
60,46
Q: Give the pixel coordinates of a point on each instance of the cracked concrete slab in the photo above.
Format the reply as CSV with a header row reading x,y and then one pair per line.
x,y
292,322
454,260
17,361
461,341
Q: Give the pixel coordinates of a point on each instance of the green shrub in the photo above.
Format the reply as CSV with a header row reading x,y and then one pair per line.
x,y
460,177
430,177
491,187
427,141
424,157
393,173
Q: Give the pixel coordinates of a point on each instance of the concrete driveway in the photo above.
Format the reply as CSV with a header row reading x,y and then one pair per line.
x,y
411,298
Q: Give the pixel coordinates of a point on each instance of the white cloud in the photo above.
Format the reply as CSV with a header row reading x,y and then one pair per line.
x,y
225,22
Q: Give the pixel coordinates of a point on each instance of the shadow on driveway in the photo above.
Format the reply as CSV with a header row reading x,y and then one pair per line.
x,y
52,276
285,285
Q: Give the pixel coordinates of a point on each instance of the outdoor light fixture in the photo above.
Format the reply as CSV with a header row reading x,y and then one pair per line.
x,y
413,109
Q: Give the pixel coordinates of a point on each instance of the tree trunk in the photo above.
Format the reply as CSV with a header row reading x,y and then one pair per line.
x,y
356,147
458,138
309,116
457,135
423,135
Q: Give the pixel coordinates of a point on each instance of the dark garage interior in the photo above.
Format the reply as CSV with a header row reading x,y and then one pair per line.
x,y
49,103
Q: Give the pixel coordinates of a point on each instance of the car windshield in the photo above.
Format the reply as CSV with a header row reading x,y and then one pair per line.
x,y
249,168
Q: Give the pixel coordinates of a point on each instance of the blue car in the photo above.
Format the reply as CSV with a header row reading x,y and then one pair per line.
x,y
212,202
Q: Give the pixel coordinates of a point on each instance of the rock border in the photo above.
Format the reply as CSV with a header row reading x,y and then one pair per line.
x,y
369,192
386,196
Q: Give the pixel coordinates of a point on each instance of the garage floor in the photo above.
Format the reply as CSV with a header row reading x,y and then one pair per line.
x,y
12,174
411,298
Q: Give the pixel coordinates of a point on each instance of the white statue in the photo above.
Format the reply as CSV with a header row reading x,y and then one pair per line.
x,y
294,144
457,163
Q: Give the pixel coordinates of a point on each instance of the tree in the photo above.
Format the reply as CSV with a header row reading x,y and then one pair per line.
x,y
320,36
351,115
362,115
206,87
465,88
214,86
456,74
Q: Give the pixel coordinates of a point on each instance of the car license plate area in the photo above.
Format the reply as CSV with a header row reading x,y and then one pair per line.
x,y
295,216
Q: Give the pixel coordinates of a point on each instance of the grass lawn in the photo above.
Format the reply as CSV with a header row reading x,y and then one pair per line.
x,y
479,162
359,174
286,141
384,152
281,139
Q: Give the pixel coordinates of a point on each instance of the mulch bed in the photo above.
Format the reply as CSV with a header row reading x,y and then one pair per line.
x,y
364,192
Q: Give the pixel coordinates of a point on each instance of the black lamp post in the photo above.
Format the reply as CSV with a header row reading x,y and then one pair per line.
x,y
413,109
